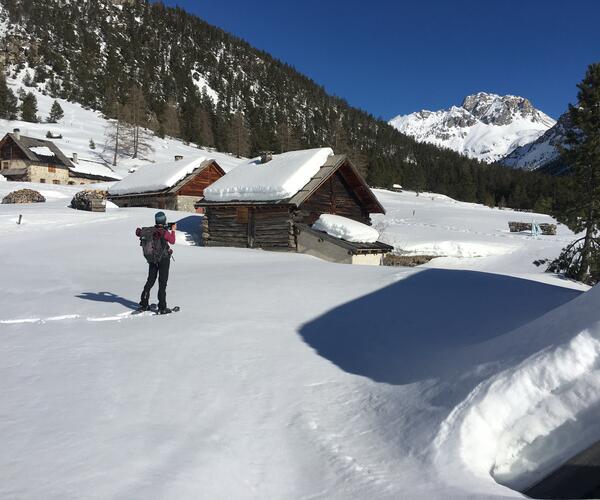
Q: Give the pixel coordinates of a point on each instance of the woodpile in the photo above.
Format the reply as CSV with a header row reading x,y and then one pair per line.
x,y
545,228
23,196
91,200
391,259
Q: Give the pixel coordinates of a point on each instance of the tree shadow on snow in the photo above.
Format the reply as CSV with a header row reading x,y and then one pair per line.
x,y
419,327
108,297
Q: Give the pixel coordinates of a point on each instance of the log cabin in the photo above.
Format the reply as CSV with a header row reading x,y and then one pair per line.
x,y
269,202
174,185
30,159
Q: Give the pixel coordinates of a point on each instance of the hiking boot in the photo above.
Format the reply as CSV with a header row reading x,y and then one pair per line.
x,y
142,307
165,310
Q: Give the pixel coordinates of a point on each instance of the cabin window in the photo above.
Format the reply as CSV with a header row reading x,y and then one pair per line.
x,y
5,165
241,215
55,181
71,183
52,169
42,181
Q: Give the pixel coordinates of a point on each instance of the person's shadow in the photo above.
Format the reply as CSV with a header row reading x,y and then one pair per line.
x,y
108,297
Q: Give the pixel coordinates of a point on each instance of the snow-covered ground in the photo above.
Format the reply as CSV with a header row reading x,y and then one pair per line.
x,y
79,125
284,376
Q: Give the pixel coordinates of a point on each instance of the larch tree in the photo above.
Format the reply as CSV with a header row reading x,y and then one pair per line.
x,y
206,136
135,116
238,136
169,120
580,209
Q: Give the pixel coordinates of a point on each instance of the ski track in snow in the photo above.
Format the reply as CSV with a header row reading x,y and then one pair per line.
x,y
66,317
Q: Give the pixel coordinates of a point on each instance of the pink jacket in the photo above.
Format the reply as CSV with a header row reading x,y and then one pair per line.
x,y
167,235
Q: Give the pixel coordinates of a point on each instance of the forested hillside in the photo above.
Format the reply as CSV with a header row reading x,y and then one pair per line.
x,y
162,69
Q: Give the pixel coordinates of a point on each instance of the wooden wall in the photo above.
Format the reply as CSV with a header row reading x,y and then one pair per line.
x,y
248,226
333,197
203,179
10,151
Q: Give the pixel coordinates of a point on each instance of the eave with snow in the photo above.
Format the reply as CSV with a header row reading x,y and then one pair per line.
x,y
175,185
38,160
270,204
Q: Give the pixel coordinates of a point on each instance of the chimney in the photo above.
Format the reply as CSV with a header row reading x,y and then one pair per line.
x,y
266,156
17,133
178,157
74,158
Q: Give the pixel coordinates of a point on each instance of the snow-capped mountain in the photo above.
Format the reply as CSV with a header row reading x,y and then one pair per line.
x,y
543,150
485,126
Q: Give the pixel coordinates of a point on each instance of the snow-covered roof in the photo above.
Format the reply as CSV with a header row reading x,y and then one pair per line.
x,y
278,179
346,229
42,150
86,167
156,177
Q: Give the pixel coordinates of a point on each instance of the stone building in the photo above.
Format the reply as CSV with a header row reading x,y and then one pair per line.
x,y
38,160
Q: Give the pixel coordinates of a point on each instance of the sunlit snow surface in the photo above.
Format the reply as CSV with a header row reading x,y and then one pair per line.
x,y
284,376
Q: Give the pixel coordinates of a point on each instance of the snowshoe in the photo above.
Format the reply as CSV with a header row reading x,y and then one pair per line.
x,y
168,310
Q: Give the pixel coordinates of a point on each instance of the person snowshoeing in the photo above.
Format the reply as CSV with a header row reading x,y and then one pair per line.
x,y
155,245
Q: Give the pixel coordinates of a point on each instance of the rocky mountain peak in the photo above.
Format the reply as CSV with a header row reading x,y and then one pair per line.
x,y
485,126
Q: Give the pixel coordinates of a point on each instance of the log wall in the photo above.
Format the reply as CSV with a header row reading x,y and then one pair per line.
x,y
247,226
333,197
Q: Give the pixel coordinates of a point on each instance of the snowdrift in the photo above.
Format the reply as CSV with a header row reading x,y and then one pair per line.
x,y
346,229
526,420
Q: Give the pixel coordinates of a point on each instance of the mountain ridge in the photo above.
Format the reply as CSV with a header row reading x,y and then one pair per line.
x,y
485,126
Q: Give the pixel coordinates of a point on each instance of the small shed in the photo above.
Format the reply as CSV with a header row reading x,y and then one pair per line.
x,y
175,185
267,202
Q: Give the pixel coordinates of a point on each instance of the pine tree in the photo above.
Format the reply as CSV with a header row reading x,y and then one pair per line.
x,y
8,101
28,80
29,108
92,144
581,210
56,113
238,137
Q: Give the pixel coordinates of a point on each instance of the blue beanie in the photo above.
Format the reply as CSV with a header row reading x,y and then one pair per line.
x,y
160,218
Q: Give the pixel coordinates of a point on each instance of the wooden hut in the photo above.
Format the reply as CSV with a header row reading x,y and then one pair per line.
x,y
264,203
175,185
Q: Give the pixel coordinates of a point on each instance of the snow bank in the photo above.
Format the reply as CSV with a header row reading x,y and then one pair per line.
x,y
155,177
2,178
346,229
278,179
525,421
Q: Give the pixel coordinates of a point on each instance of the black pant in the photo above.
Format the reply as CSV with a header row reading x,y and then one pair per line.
x,y
162,271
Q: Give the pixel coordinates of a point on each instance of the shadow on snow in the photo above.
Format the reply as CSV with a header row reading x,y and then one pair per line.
x,y
108,297
419,327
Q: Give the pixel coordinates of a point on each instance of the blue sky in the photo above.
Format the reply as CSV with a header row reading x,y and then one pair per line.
x,y
393,56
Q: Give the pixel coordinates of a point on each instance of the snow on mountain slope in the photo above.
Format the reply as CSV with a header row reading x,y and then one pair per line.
x,y
543,150
282,376
79,125
486,126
